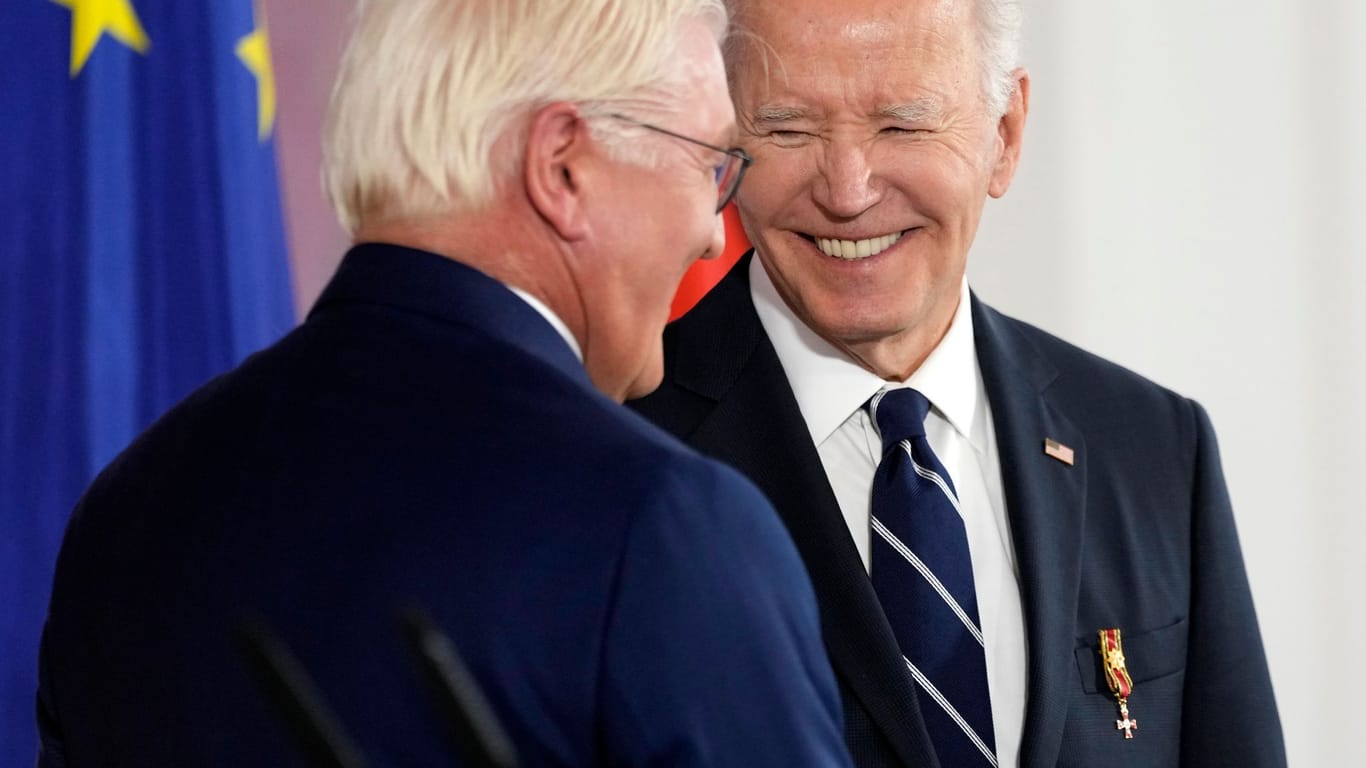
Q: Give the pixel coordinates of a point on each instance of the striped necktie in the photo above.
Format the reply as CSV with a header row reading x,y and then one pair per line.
x,y
922,573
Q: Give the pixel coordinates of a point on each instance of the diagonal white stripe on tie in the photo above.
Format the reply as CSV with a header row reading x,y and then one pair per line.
x,y
948,708
933,580
932,476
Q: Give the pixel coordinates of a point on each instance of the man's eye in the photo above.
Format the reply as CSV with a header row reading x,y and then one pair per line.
x,y
789,137
902,130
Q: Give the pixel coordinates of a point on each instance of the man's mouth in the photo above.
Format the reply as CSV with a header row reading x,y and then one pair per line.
x,y
855,249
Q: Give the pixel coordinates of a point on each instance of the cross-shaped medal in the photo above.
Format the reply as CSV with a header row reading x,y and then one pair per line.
x,y
1127,725
1117,677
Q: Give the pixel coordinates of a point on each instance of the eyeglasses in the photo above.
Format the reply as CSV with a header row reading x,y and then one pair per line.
x,y
728,172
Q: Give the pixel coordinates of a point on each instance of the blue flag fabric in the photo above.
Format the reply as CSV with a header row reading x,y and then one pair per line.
x,y
141,252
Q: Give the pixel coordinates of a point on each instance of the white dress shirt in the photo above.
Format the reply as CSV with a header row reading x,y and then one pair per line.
x,y
831,390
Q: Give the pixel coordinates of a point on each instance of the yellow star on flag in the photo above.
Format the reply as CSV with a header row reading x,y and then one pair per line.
x,y
90,19
254,51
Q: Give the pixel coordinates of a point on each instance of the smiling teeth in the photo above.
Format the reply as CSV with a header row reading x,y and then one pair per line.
x,y
856,249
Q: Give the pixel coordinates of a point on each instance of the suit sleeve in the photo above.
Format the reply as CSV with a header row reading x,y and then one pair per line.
x,y
713,653
1229,710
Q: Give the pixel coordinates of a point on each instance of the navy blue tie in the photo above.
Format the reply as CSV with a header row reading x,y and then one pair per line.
x,y
922,573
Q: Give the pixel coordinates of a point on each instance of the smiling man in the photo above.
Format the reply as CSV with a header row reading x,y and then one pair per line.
x,y
1020,550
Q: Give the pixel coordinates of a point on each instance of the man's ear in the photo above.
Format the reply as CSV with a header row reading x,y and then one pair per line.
x,y
558,154
1010,132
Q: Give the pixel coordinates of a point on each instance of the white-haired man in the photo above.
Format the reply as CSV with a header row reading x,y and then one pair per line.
x,y
526,180
1021,551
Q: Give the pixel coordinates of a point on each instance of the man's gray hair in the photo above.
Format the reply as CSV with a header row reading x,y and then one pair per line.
x,y
999,30
428,88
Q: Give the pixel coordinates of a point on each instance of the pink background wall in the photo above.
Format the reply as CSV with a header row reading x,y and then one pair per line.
x,y
306,41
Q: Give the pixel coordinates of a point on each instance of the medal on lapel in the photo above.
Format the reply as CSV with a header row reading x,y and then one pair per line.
x,y
1117,676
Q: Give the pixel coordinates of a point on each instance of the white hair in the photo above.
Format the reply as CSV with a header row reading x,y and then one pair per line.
x,y
427,88
999,30
998,34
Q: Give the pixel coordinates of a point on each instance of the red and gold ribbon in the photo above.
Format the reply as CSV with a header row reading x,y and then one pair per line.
x,y
1117,677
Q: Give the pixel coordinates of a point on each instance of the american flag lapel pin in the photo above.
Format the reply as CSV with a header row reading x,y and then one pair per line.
x,y
1059,451
1117,677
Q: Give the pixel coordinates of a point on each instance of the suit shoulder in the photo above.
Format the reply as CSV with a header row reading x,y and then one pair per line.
x,y
668,470
1080,369
667,483
1104,397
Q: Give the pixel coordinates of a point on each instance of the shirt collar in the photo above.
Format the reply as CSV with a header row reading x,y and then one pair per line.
x,y
829,386
550,317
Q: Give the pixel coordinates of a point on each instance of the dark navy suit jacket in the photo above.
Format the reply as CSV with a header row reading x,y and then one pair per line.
x,y
1137,535
427,437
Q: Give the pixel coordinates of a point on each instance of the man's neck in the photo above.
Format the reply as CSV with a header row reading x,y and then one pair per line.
x,y
897,357
501,245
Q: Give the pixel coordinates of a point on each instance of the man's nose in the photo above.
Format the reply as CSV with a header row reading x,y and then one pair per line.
x,y
847,186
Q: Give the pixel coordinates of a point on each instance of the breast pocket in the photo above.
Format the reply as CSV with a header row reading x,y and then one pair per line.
x,y
1148,655
1156,661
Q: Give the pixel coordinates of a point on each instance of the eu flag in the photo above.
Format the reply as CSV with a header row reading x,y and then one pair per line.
x,y
141,252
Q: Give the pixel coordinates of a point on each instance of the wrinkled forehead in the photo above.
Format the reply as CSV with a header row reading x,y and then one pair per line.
x,y
854,49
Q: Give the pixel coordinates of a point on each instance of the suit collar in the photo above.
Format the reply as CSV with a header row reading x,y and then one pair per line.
x,y
756,426
1045,500
827,384
446,291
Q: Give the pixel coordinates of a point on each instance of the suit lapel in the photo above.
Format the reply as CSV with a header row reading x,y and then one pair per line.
x,y
1045,500
756,427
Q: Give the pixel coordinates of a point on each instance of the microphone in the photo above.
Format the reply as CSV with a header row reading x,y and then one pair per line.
x,y
296,699
471,723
